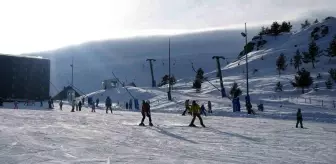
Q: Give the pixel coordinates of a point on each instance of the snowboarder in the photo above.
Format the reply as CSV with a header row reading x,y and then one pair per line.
x,y
126,105
209,107
97,102
61,104
108,104
73,105
299,118
187,107
16,105
203,111
145,111
93,108
195,110
80,105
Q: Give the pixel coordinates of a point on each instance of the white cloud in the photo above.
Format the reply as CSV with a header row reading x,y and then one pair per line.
x,y
34,25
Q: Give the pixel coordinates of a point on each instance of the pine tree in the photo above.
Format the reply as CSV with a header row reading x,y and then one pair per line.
x,y
316,21
262,31
331,50
198,79
305,24
332,73
199,74
281,63
302,80
312,54
275,28
329,84
235,91
278,87
165,80
285,27
297,60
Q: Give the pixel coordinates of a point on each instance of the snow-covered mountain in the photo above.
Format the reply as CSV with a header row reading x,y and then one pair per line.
x,y
263,75
94,61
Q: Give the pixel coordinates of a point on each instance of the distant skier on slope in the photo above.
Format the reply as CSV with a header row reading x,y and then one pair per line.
x,y
97,102
187,107
16,104
209,107
80,105
73,105
145,111
195,110
203,111
108,104
299,118
93,107
130,104
61,104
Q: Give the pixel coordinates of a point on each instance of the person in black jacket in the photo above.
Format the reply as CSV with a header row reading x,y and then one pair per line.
x,y
108,104
299,118
80,105
145,111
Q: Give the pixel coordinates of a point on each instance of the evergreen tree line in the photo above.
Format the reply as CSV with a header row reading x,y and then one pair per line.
x,y
276,28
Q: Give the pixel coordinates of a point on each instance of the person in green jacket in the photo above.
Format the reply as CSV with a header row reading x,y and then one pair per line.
x,y
299,118
195,111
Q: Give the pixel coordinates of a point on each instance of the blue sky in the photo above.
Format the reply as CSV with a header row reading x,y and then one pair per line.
x,y
37,25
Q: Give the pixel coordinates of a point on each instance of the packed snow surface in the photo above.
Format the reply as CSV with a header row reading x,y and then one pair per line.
x,y
54,136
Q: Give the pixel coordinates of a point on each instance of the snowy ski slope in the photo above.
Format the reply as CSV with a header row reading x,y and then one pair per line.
x,y
53,136
44,136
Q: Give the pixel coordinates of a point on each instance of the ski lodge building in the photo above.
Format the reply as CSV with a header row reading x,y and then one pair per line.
x,y
24,78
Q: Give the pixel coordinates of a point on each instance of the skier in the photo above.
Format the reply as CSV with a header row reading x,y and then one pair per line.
x,y
97,102
73,105
61,104
126,105
16,104
108,104
93,108
76,105
299,118
80,105
130,104
209,107
49,104
187,107
52,102
41,103
145,111
195,110
203,111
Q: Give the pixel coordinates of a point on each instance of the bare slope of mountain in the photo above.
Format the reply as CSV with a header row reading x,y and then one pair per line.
x,y
94,61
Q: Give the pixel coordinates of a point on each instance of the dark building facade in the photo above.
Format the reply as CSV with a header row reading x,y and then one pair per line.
x,y
24,77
